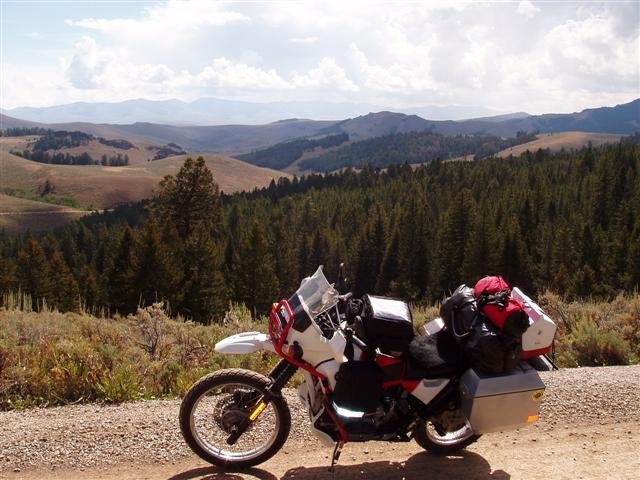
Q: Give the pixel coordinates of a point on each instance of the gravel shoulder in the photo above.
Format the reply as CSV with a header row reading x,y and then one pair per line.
x,y
589,428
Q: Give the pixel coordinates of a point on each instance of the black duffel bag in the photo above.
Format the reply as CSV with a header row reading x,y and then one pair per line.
x,y
490,350
459,312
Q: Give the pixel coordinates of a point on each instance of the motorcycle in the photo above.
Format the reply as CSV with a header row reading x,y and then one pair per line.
x,y
360,382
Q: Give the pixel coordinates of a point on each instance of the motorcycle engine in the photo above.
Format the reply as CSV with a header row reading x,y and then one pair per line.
x,y
391,417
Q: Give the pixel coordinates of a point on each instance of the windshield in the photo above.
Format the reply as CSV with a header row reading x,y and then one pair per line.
x,y
316,293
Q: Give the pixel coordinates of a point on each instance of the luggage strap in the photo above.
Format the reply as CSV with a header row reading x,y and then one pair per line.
x,y
501,299
453,320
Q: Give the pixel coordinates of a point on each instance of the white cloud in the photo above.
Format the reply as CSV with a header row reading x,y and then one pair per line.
x,y
594,48
327,74
304,40
528,9
407,54
88,64
30,85
409,74
224,73
167,18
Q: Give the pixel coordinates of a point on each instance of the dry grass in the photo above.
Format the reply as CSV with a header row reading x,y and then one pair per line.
x,y
558,141
595,333
103,187
50,358
20,214
137,156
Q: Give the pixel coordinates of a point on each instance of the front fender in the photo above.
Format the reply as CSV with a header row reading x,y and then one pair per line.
x,y
246,342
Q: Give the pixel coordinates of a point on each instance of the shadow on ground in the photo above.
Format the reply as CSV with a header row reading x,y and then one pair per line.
x,y
467,465
215,473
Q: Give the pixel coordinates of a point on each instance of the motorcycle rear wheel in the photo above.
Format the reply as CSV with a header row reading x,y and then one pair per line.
x,y
433,437
219,401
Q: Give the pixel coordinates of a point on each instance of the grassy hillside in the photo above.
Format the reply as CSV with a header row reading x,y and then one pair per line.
x,y
20,214
50,358
139,155
558,141
104,187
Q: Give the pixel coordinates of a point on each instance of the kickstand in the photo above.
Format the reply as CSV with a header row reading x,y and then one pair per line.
x,y
336,455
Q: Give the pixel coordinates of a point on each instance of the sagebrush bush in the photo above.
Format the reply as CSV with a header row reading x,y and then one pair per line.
x,y
49,358
595,333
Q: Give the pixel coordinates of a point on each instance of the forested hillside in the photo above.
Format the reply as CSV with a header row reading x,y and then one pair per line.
x,y
568,221
283,154
412,147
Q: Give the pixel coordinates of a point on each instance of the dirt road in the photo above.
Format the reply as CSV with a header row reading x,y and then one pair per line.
x,y
590,429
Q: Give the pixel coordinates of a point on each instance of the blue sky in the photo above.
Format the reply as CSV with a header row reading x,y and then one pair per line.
x,y
509,56
32,29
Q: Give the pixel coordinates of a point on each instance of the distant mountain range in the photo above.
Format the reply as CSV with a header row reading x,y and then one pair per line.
x,y
621,119
215,111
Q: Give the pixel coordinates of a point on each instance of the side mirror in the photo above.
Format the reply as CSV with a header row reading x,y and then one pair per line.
x,y
341,282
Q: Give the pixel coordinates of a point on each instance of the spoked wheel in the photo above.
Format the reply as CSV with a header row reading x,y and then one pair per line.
x,y
445,434
216,404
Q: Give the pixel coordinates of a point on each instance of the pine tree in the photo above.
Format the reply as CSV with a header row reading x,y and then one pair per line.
x,y
480,249
8,280
121,294
34,275
91,293
454,231
370,252
156,272
389,266
514,264
203,290
66,294
254,271
189,200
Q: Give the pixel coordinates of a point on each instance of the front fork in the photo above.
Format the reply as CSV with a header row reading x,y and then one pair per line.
x,y
280,375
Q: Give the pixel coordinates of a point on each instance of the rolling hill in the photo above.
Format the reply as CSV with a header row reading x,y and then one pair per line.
x,y
621,119
220,138
20,214
238,139
103,187
558,141
11,122
380,124
217,111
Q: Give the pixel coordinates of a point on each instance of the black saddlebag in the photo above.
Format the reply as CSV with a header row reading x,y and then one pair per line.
x,y
386,324
358,386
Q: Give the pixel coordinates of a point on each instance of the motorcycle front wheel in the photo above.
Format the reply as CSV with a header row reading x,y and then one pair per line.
x,y
217,403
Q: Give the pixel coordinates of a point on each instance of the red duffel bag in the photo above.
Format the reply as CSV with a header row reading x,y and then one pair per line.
x,y
493,297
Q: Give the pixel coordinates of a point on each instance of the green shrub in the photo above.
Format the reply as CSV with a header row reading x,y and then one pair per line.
x,y
590,347
595,333
120,385
49,358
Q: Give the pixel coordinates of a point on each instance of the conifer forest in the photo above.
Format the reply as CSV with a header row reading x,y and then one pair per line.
x,y
567,222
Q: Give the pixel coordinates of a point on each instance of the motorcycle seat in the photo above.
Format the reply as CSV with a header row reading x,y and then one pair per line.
x,y
432,356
